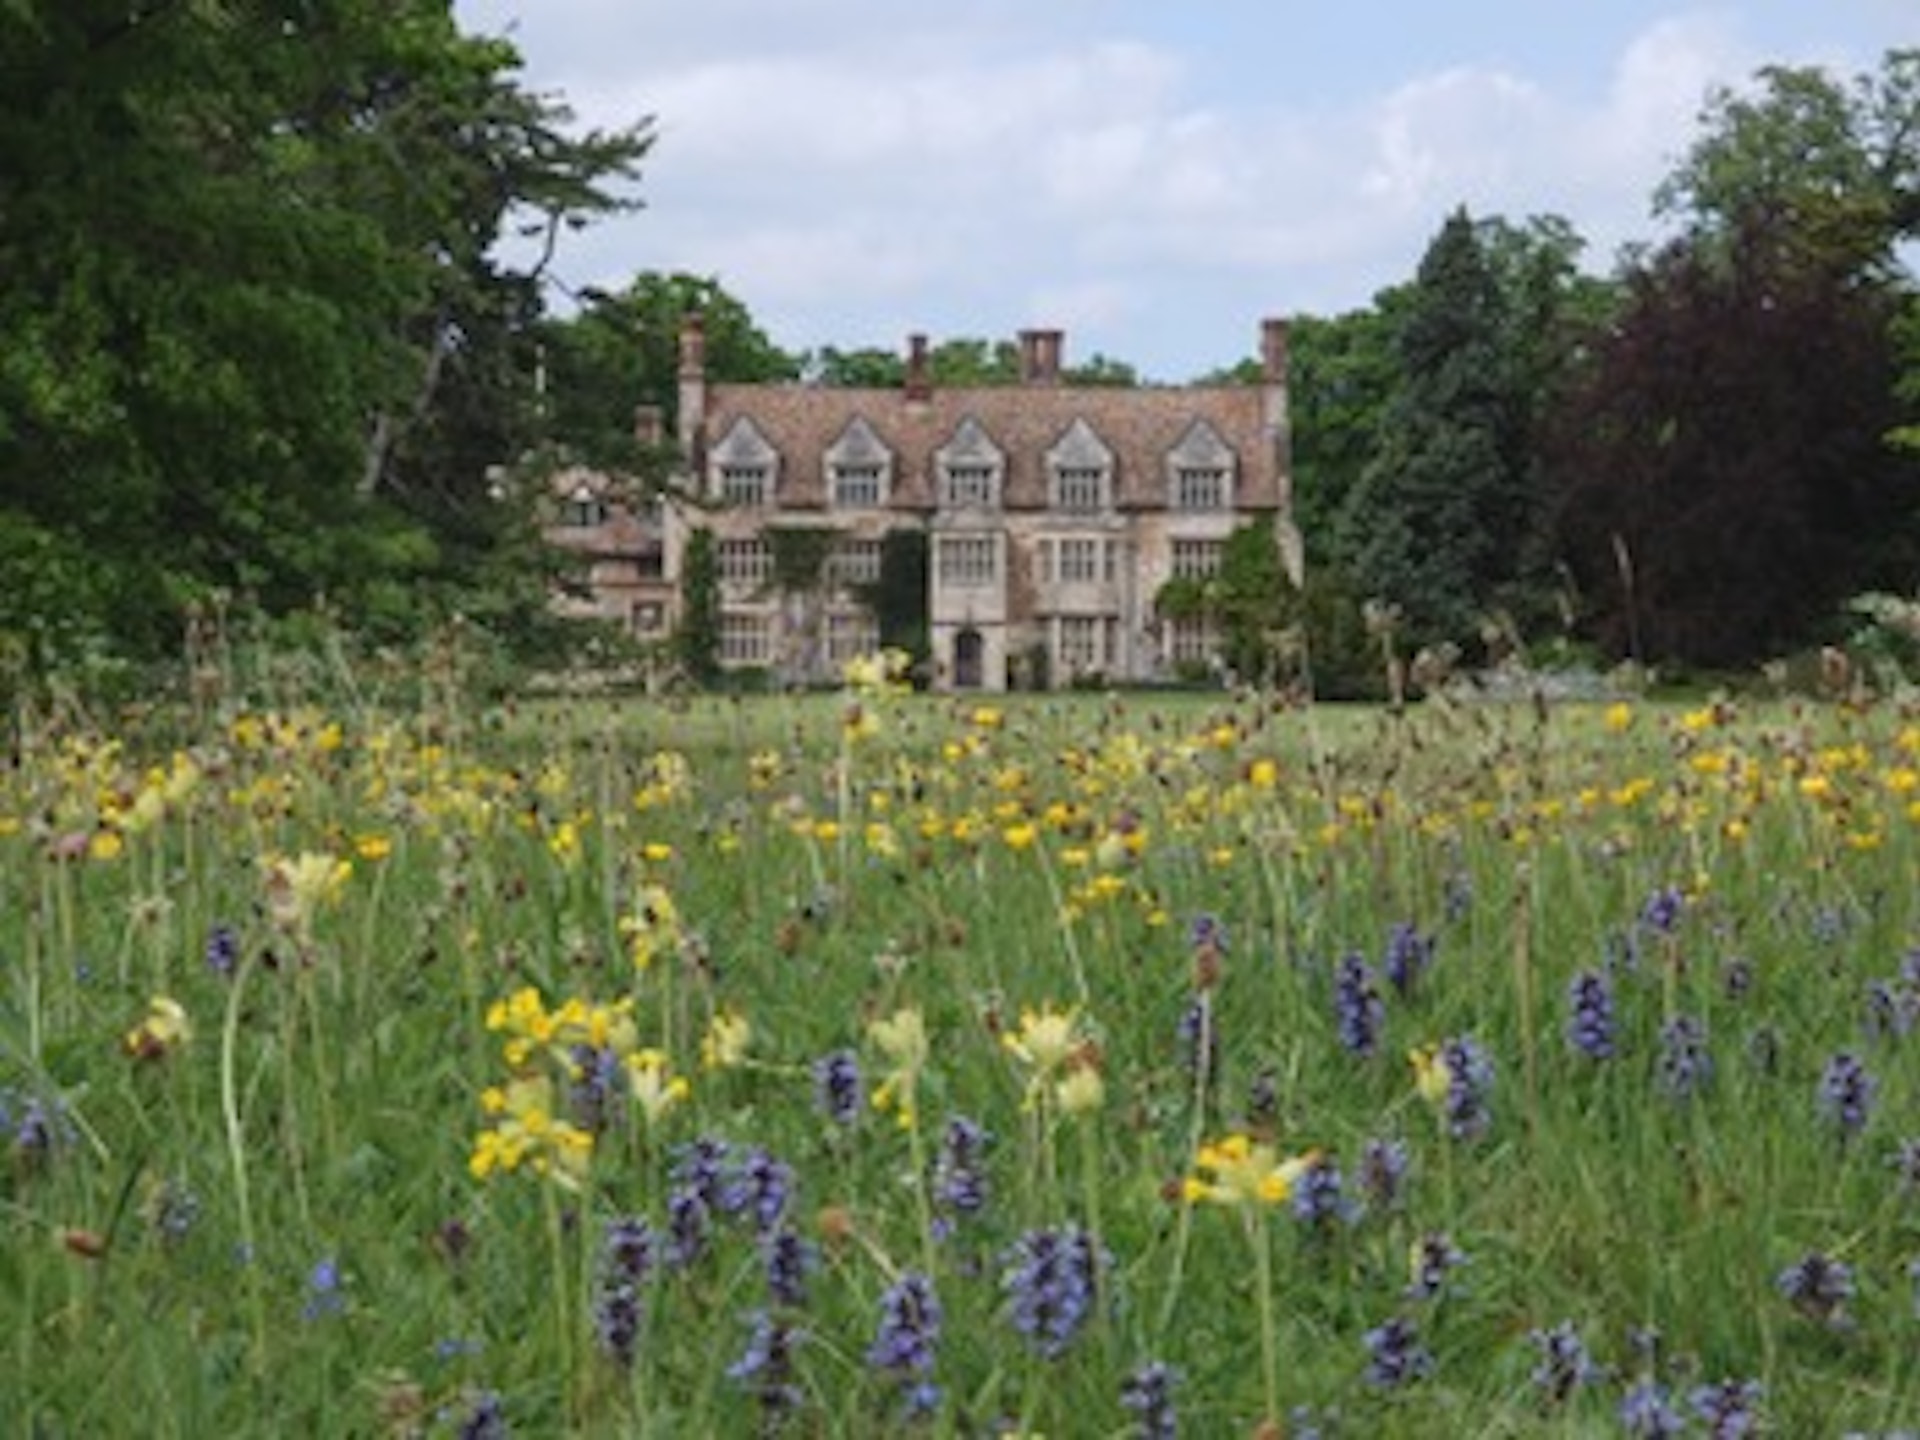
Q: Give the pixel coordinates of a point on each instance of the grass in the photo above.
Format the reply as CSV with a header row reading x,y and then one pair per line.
x,y
449,992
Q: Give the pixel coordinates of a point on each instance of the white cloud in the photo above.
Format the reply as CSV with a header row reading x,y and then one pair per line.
x,y
853,168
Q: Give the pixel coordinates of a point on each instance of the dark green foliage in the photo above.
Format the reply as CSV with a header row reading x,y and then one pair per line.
x,y
898,599
697,641
1429,525
251,342
1343,374
1722,477
618,351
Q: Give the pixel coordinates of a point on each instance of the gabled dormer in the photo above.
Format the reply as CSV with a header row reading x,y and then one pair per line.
x,y
743,469
1201,470
1080,471
859,468
970,469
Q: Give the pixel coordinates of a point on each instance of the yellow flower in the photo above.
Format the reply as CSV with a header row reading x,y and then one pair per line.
x,y
164,1029
1431,1076
373,847
653,927
1081,1090
1019,837
655,1089
105,845
1238,1170
1618,716
525,1133
902,1038
296,886
724,1047
1044,1040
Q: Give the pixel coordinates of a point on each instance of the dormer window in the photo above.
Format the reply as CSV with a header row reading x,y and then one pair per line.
x,y
1080,471
859,469
1200,470
583,509
744,468
971,468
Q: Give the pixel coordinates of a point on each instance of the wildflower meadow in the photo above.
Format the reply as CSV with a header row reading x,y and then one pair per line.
x,y
878,1063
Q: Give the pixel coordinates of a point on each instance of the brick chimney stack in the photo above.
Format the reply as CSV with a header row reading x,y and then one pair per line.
x,y
919,377
1040,352
1273,351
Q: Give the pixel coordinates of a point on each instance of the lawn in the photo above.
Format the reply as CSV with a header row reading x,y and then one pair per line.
x,y
879,1063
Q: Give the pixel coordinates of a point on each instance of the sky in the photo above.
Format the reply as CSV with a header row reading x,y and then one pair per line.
x,y
1151,176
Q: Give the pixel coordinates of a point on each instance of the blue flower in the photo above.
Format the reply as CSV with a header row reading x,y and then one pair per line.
x,y
1846,1095
1383,1172
1409,955
960,1188
1148,1394
596,1087
1564,1364
1395,1356
1818,1287
1469,1088
1647,1412
836,1086
765,1369
629,1254
223,950
1433,1257
1662,911
1684,1066
324,1295
1200,1037
1359,1013
908,1338
1590,1026
1319,1199
788,1260
1729,1408
759,1186
1052,1280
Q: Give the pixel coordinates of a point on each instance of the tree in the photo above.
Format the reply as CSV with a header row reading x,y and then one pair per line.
x,y
1721,475
1836,163
1428,526
1344,371
620,350
1832,165
243,252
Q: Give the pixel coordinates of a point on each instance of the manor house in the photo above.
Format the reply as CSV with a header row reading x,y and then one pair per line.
x,y
1052,514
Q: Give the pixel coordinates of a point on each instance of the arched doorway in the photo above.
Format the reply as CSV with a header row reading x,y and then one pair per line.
x,y
969,651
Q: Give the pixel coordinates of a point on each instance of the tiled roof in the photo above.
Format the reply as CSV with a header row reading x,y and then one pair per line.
x,y
1140,425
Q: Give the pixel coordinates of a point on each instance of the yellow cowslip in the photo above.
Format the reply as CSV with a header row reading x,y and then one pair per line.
x,y
1081,1090
1044,1041
902,1038
297,885
655,1088
1432,1077
525,1133
724,1046
1239,1170
161,1031
652,927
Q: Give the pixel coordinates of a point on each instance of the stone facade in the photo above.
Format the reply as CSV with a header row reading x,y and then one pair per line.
x,y
1054,512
